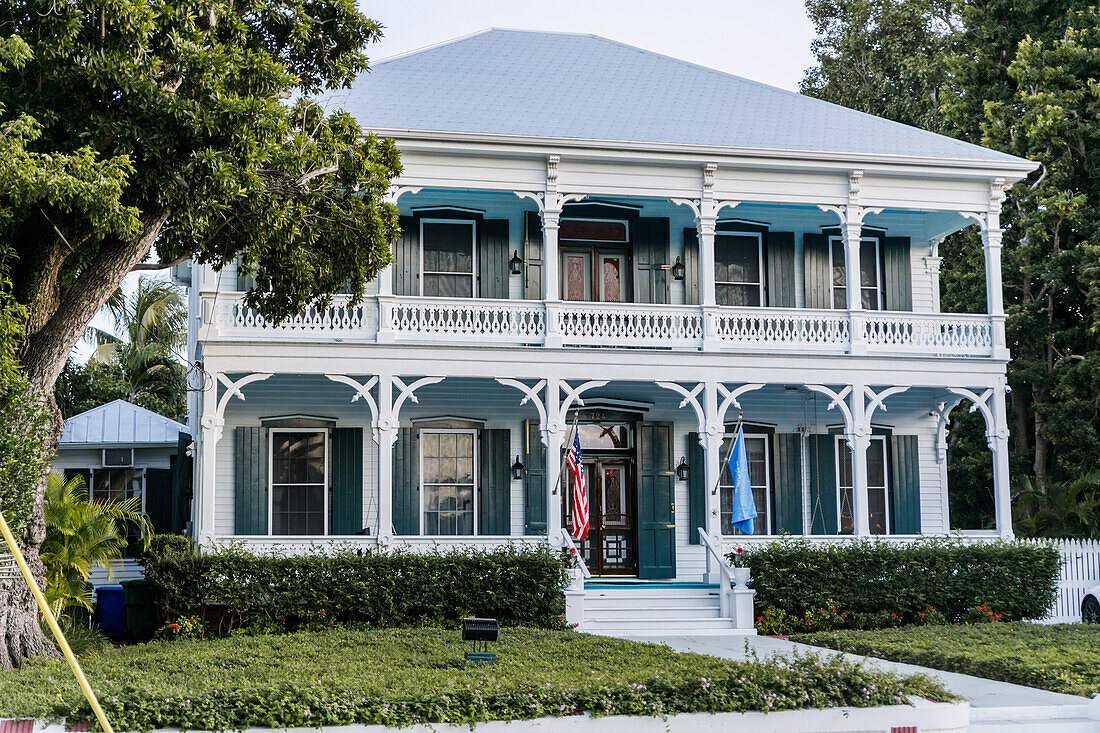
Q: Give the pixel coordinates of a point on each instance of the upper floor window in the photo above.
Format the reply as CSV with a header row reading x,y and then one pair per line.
x,y
756,451
739,269
870,273
299,465
448,481
876,485
447,269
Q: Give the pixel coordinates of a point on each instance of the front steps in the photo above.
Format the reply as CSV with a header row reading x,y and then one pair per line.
x,y
640,608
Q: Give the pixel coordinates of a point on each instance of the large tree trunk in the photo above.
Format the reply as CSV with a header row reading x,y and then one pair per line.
x,y
20,631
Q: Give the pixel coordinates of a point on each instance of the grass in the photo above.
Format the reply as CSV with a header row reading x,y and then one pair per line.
x,y
1062,658
404,676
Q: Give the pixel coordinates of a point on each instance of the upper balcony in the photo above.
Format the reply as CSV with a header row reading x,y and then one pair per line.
x,y
478,268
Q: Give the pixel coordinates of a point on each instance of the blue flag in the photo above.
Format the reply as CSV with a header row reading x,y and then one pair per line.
x,y
744,506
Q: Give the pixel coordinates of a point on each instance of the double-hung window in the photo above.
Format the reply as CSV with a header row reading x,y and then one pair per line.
x,y
448,482
447,267
756,451
116,484
299,467
876,485
870,273
739,269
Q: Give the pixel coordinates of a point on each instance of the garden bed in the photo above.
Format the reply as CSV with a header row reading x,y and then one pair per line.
x,y
406,676
1061,658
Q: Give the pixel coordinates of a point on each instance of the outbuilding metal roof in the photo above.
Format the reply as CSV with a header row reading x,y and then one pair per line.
x,y
119,423
580,86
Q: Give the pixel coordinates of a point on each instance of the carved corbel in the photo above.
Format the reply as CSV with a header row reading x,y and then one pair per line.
x,y
362,391
215,422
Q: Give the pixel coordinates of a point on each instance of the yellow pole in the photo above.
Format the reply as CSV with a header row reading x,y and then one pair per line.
x,y
65,650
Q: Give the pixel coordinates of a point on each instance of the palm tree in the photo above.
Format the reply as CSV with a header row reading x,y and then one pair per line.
x,y
152,323
81,535
1058,509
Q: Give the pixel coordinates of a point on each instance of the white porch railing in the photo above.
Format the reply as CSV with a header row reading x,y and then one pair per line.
x,y
568,544
473,321
716,561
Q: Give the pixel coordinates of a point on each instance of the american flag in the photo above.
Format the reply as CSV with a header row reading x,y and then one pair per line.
x,y
580,489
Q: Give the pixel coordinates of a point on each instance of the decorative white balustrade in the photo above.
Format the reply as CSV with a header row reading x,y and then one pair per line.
x,y
606,324
469,321
785,328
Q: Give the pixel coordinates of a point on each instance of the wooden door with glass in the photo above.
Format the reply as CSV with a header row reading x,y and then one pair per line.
x,y
595,261
611,545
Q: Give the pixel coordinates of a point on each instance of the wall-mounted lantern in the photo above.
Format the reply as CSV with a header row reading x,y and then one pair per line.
x,y
517,469
682,471
515,265
678,270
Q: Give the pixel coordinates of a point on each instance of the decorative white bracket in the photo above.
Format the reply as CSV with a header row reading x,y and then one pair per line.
x,y
982,402
530,394
232,389
943,420
850,214
407,392
362,390
398,191
573,394
730,398
838,400
690,398
875,401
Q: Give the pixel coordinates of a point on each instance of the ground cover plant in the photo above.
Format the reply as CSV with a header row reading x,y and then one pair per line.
x,y
236,589
404,676
1062,658
805,587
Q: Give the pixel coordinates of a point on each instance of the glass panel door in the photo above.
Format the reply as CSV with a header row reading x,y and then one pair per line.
x,y
613,275
577,276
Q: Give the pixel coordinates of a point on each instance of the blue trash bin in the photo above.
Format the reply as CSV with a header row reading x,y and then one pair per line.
x,y
110,610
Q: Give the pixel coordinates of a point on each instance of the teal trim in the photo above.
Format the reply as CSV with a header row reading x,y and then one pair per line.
x,y
697,488
904,485
822,484
788,483
534,482
346,505
494,490
645,584
406,482
656,512
250,486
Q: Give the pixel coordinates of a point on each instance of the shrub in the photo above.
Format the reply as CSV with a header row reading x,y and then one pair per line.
x,y
874,583
167,546
233,589
182,628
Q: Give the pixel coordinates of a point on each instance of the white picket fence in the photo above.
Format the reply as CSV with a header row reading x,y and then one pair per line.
x,y
1080,571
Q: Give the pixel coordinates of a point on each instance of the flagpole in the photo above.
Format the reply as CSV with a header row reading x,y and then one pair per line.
x,y
718,481
568,442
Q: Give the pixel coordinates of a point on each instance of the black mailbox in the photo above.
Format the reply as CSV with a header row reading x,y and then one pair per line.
x,y
479,629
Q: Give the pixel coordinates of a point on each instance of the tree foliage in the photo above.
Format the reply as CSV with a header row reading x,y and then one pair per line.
x,y
1018,77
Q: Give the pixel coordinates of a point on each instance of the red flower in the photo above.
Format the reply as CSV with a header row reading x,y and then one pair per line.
x,y
845,613
922,615
572,550
929,608
173,626
894,615
322,612
740,550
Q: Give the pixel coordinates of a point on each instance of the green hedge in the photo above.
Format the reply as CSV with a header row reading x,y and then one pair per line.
x,y
874,583
234,589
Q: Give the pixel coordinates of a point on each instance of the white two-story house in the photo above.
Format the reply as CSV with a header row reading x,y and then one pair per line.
x,y
601,235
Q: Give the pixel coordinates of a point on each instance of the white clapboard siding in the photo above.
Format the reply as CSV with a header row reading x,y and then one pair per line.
x,y
1080,571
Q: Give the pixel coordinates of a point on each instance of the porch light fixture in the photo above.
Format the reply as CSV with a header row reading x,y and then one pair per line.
x,y
683,472
517,469
515,265
678,270
480,630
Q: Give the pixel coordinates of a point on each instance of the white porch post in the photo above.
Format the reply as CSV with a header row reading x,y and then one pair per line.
x,y
212,424
932,265
851,223
551,286
997,435
712,456
859,440
385,437
553,435
994,298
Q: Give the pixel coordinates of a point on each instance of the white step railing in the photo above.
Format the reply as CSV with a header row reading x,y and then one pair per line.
x,y
716,561
568,544
473,321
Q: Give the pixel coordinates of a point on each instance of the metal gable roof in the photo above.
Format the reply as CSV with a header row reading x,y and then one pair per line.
x,y
119,422
578,86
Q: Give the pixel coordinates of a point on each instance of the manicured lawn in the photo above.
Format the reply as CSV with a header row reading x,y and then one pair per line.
x,y
1063,658
401,676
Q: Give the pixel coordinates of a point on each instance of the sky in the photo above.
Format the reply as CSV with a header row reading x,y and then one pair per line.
x,y
763,40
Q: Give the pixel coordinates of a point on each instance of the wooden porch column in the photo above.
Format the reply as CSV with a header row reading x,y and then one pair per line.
x,y
997,436
202,514
712,454
994,297
859,440
385,435
553,433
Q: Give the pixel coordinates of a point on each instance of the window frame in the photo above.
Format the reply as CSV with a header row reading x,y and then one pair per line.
x,y
727,532
474,284
879,284
325,529
841,444
91,483
476,483
759,259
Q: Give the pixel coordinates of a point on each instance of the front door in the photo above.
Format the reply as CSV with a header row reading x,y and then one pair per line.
x,y
610,547
595,275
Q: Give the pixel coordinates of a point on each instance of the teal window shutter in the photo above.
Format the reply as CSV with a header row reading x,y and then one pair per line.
x,y
697,488
495,482
779,251
158,498
651,260
406,257
904,484
656,514
817,274
406,483
532,257
250,486
823,484
788,483
346,504
899,274
534,482
691,267
493,256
